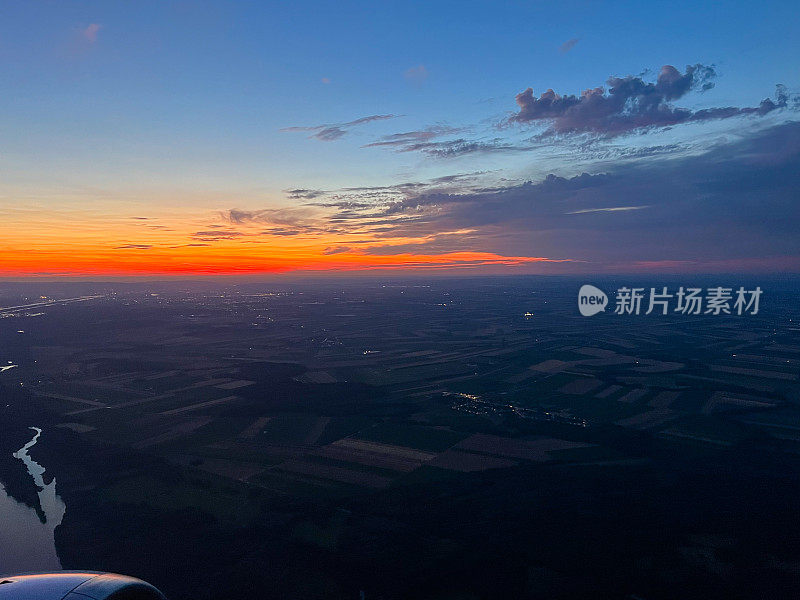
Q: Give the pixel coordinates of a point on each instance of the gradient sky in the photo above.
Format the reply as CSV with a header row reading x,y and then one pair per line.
x,y
259,137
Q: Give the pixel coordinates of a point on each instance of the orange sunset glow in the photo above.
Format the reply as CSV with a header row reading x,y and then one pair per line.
x,y
58,249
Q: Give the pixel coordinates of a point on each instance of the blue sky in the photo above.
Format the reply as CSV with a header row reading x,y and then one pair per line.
x,y
115,107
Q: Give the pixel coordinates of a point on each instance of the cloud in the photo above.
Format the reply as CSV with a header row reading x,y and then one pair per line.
x,y
424,141
416,75
568,45
461,146
216,235
282,222
303,194
608,209
273,216
407,140
90,32
281,231
454,261
353,199
133,247
334,131
734,204
328,134
336,250
632,104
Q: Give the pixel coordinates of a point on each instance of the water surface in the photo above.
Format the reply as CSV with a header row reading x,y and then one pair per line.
x,y
27,543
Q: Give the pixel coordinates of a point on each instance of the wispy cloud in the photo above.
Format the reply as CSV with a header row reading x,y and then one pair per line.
x,y
416,75
462,146
696,205
408,140
333,131
568,45
90,32
282,231
336,250
215,235
425,141
303,194
608,209
134,247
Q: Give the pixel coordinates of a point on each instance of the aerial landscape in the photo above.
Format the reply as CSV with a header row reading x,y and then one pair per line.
x,y
423,301
331,445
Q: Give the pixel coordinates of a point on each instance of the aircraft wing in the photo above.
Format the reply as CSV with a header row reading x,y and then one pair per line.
x,y
76,585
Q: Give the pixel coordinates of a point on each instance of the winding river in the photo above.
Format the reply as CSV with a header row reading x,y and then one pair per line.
x,y
26,543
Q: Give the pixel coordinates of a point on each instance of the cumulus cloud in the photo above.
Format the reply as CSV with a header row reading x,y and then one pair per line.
x,y
631,103
333,131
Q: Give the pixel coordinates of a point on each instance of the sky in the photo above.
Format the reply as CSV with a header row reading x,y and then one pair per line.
x,y
248,138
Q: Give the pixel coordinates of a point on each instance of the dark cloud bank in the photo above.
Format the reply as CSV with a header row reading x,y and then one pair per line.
x,y
735,204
